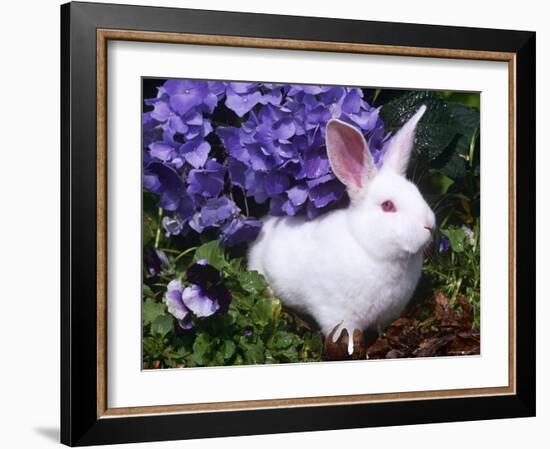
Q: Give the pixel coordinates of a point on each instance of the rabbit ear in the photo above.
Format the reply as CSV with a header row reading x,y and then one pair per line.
x,y
349,156
400,146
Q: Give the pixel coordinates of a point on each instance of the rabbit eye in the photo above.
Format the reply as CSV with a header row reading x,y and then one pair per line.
x,y
388,206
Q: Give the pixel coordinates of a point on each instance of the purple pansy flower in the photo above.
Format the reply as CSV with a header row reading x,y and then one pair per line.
x,y
176,306
444,244
199,302
200,273
205,296
155,261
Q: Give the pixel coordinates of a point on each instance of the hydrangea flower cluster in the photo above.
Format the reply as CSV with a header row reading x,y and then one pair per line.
x,y
271,148
206,295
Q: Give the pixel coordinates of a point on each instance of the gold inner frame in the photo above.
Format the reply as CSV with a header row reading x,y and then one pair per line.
x,y
103,36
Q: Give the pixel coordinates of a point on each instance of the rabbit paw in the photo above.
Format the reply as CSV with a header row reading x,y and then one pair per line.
x,y
338,345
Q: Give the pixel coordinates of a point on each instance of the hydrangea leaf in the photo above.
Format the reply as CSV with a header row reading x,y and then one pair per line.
x,y
467,118
444,134
455,167
435,131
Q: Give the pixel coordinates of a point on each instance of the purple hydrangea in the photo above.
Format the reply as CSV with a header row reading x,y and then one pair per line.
x,y
240,230
275,156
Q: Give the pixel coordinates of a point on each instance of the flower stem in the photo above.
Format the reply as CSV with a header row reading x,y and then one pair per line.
x,y
187,251
157,236
472,147
168,250
245,203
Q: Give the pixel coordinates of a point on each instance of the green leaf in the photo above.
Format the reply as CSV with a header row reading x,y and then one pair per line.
x,y
313,344
201,349
253,352
290,354
153,347
242,301
147,292
152,310
236,265
436,129
228,349
150,217
471,99
253,282
162,324
440,182
213,253
445,133
465,117
282,340
456,237
262,312
455,166
432,139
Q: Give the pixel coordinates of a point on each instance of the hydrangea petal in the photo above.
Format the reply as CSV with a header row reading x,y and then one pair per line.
x,y
161,151
241,230
161,111
326,191
237,172
241,104
298,194
207,182
195,152
217,210
276,183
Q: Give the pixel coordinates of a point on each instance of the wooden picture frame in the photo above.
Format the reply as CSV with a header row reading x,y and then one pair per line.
x,y
86,30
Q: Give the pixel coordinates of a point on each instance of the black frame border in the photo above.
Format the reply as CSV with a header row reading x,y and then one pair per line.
x,y
80,424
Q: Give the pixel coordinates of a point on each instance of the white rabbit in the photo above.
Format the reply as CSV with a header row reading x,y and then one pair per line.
x,y
358,266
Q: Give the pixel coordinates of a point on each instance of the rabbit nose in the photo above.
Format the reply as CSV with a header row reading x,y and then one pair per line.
x,y
429,228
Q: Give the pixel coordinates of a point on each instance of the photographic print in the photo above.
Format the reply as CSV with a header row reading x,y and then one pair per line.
x,y
292,223
307,211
